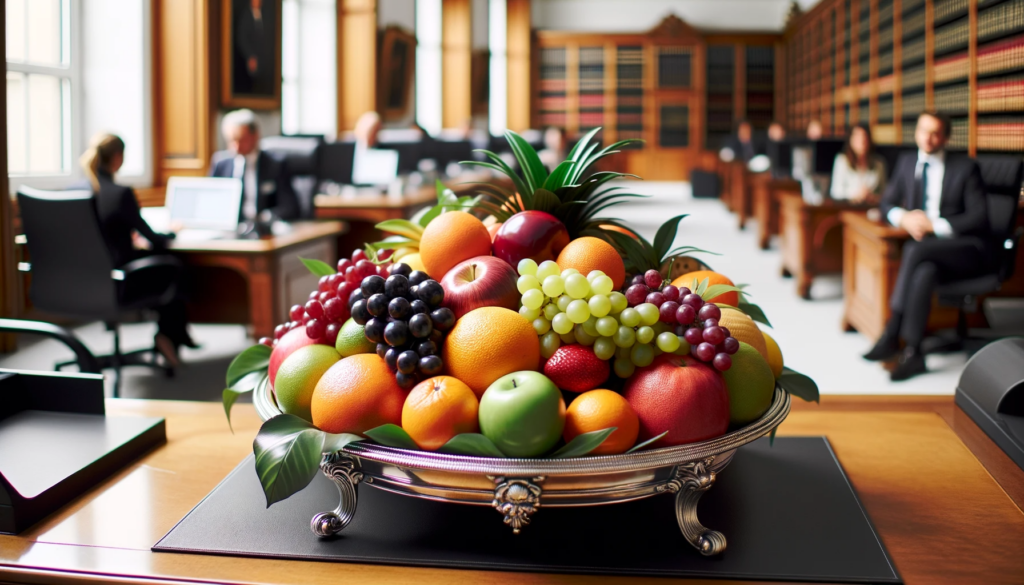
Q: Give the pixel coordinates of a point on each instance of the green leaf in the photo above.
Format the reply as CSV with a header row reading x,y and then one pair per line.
x,y
252,359
246,384
471,444
318,267
717,289
556,180
533,169
647,442
771,436
390,243
401,227
544,200
665,236
288,452
336,442
798,385
754,312
583,444
580,146
391,435
703,286
502,167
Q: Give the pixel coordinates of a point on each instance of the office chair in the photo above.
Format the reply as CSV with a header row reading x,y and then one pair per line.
x,y
87,363
1003,176
73,274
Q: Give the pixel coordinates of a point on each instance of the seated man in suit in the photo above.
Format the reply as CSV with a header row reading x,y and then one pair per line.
x,y
939,198
742,144
266,183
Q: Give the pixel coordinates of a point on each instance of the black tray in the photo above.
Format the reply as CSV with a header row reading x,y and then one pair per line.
x,y
788,512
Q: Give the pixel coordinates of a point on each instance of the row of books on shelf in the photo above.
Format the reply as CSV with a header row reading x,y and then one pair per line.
x,y
553,85
591,85
591,100
952,67
1002,133
1002,95
1000,19
953,99
952,36
913,51
913,25
554,104
552,119
591,119
909,5
943,10
1005,55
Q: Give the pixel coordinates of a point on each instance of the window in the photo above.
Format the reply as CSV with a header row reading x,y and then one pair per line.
x,y
40,78
497,35
309,87
428,65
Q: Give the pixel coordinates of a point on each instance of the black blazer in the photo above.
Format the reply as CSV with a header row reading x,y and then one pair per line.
x,y
273,183
118,213
964,203
745,152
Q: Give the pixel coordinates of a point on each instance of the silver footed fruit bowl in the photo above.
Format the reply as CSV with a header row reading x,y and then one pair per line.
x,y
518,488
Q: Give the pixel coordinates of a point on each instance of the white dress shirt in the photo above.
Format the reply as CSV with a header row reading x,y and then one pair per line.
x,y
848,181
245,169
933,193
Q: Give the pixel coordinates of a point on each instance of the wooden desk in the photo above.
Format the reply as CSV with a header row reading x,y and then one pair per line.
x,y
766,206
812,238
255,281
945,500
738,195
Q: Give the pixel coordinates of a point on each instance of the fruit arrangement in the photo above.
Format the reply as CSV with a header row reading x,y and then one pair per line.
x,y
513,324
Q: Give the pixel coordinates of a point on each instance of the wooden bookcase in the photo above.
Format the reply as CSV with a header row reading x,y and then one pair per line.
x,y
679,89
884,61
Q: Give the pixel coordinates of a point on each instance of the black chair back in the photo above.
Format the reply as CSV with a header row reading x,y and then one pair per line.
x,y
890,154
71,265
336,162
1003,175
301,156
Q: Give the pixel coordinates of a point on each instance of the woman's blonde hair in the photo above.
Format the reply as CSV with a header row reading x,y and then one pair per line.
x,y
102,149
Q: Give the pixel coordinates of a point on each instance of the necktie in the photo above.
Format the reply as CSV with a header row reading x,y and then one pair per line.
x,y
921,188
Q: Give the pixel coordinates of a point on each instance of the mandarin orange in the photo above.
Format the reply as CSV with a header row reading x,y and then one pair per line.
x,y
589,253
451,238
601,409
357,394
437,409
729,298
488,343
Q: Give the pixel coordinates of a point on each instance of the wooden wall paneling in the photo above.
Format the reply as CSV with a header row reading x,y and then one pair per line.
x,y
611,101
873,64
781,114
897,69
518,51
572,89
929,55
853,89
184,69
739,107
357,60
456,65
9,298
972,79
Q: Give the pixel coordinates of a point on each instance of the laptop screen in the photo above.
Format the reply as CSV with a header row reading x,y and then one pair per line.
x,y
374,167
205,202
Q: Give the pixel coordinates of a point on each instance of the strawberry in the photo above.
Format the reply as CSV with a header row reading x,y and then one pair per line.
x,y
575,368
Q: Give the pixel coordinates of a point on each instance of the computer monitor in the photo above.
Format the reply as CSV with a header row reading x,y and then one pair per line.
x,y
825,152
205,202
373,166
336,159
781,155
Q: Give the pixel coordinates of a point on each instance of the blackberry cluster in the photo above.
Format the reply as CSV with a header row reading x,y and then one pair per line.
x,y
403,315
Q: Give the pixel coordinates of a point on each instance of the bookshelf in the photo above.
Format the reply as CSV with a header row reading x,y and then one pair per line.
x,y
679,89
885,61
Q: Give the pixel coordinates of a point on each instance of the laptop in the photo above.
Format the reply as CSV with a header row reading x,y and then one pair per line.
x,y
206,207
372,166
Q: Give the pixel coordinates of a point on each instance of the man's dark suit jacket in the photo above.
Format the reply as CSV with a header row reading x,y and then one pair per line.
x,y
745,152
964,203
273,183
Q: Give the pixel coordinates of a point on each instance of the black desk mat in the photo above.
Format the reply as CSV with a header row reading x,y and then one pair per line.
x,y
788,513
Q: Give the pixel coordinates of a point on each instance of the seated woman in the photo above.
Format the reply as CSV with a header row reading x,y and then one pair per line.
x,y
858,173
119,217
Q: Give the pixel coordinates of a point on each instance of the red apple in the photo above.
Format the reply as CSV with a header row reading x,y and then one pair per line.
x,y
288,343
530,234
681,395
484,281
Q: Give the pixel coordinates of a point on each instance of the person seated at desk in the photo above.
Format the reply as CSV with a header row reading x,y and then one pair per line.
x,y
741,146
266,183
858,172
939,198
366,130
119,217
774,150
815,131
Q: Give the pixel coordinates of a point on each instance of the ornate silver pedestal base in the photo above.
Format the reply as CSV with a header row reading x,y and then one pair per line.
x,y
690,482
343,471
517,500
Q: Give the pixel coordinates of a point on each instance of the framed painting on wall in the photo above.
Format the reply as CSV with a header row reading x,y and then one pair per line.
x,y
251,54
397,63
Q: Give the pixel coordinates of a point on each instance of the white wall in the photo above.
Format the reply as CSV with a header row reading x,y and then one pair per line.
x,y
116,88
641,15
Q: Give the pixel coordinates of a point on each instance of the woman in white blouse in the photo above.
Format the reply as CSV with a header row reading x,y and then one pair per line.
x,y
858,173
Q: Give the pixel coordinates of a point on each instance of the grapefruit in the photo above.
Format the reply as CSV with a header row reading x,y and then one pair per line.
x,y
744,329
589,253
298,376
357,394
730,298
750,384
437,409
598,410
488,343
451,238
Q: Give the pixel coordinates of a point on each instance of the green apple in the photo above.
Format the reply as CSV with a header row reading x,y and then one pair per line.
x,y
523,414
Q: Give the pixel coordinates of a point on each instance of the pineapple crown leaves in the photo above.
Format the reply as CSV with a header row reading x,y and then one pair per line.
x,y
565,192
639,255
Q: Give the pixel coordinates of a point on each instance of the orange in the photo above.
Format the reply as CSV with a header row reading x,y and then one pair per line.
x,y
601,409
744,329
488,343
437,409
589,253
614,228
729,298
357,394
493,230
451,238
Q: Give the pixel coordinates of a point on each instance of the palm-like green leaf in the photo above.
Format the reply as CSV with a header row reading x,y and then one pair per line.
x,y
533,169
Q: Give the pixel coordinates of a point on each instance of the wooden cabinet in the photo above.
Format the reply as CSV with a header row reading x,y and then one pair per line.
x,y
766,194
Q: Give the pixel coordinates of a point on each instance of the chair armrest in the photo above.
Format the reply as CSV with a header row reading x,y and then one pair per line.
x,y
86,361
148,262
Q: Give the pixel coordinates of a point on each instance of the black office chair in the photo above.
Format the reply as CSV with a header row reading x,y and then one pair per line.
x,y
73,274
1003,176
301,155
87,363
